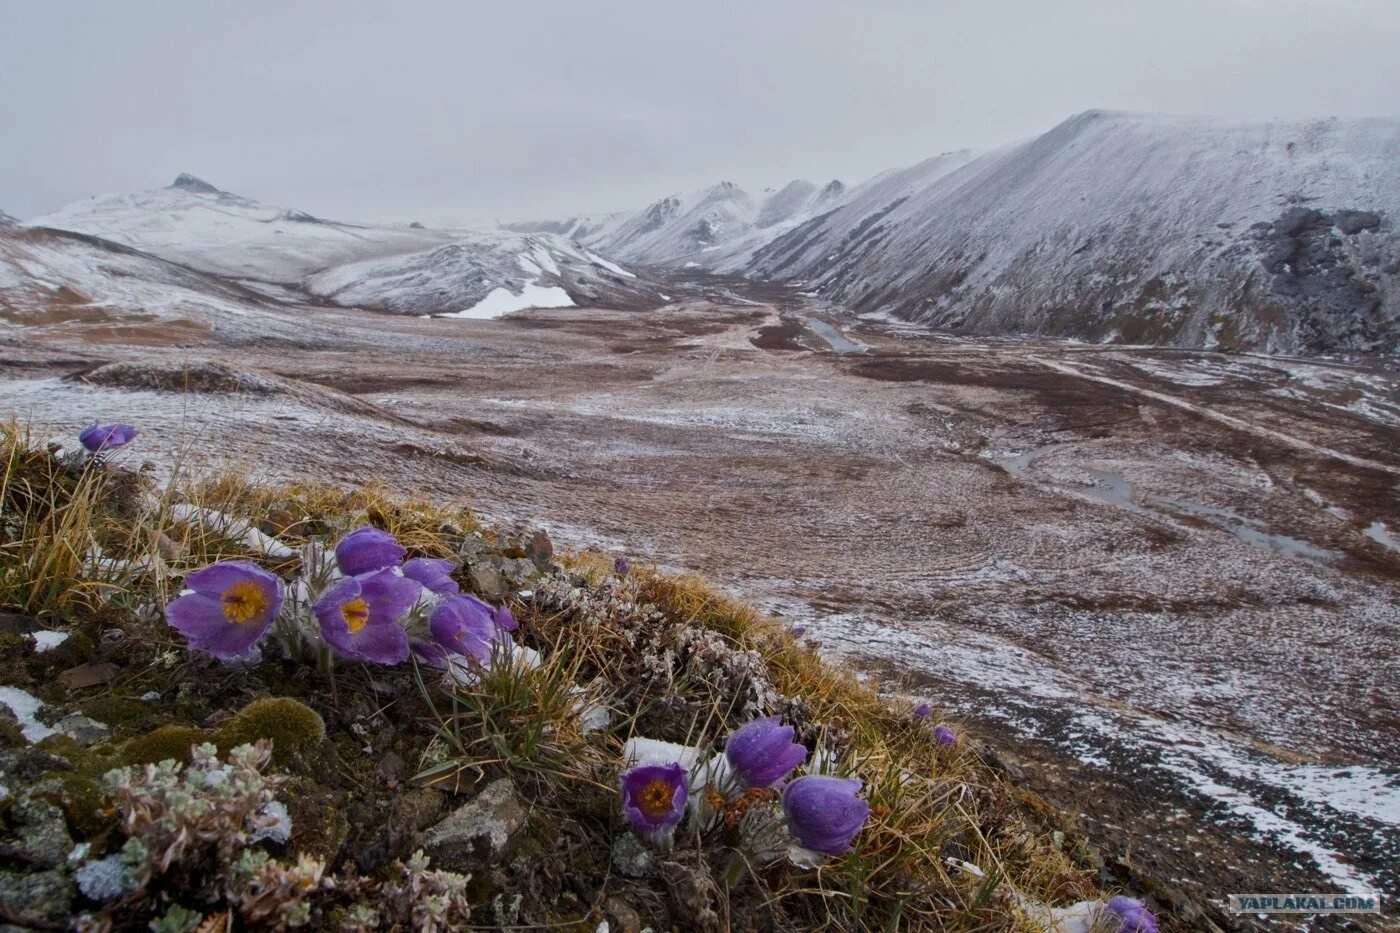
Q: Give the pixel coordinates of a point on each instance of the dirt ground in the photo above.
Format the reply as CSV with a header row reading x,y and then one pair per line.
x,y
1164,583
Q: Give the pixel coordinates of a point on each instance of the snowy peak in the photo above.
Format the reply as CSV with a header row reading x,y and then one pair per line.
x,y
187,182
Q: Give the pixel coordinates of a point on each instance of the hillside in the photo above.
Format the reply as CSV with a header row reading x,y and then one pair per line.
x,y
296,778
1131,228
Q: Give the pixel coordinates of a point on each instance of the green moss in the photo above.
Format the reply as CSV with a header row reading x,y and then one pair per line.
x,y
79,797
159,744
123,714
10,734
319,823
294,729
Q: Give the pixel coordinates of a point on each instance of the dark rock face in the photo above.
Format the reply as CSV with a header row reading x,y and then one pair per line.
x,y
1326,270
188,182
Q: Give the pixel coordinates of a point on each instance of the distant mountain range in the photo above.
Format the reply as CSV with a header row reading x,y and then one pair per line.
x,y
1116,227
234,245
1276,236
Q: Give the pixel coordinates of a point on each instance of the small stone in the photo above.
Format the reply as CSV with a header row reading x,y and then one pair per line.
x,y
83,730
621,916
486,581
630,857
37,897
88,675
390,768
483,830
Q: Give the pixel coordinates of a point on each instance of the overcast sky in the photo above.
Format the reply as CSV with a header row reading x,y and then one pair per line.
x,y
435,110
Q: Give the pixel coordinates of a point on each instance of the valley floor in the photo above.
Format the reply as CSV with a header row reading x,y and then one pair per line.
x,y
1165,583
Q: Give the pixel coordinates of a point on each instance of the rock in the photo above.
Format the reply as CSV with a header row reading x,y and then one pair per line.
x,y
487,582
621,916
42,831
390,768
12,623
541,550
518,571
630,857
84,730
38,897
88,675
27,764
483,830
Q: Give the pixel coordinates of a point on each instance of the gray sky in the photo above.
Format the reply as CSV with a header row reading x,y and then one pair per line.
x,y
517,110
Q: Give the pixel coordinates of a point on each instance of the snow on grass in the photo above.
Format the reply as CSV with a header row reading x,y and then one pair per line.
x,y
610,266
501,301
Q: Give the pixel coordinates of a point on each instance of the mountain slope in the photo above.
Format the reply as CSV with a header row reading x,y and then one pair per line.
x,y
287,254
57,280
1134,228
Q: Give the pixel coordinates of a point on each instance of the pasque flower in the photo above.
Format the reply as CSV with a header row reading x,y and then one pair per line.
x,y
621,565
359,616
922,711
98,437
945,736
823,813
434,573
762,753
465,625
230,608
1132,915
653,798
366,550
501,615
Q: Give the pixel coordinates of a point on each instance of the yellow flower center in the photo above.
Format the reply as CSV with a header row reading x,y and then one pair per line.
x,y
243,602
356,613
655,799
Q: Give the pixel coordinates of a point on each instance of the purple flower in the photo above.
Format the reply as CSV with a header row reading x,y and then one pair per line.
x,y
464,625
501,615
366,550
653,798
945,736
1133,916
359,616
798,631
762,753
232,605
621,566
434,573
823,813
922,711
98,437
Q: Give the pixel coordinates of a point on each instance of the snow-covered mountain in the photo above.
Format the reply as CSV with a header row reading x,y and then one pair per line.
x,y
720,225
57,281
1134,228
290,256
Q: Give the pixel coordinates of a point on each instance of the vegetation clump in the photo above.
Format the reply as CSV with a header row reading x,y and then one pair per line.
x,y
294,729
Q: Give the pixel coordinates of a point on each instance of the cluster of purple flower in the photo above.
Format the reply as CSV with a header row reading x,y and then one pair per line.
x,y
229,607
822,813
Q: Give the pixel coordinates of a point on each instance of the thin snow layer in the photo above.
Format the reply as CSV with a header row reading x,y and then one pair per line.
x,y
1131,228
501,302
